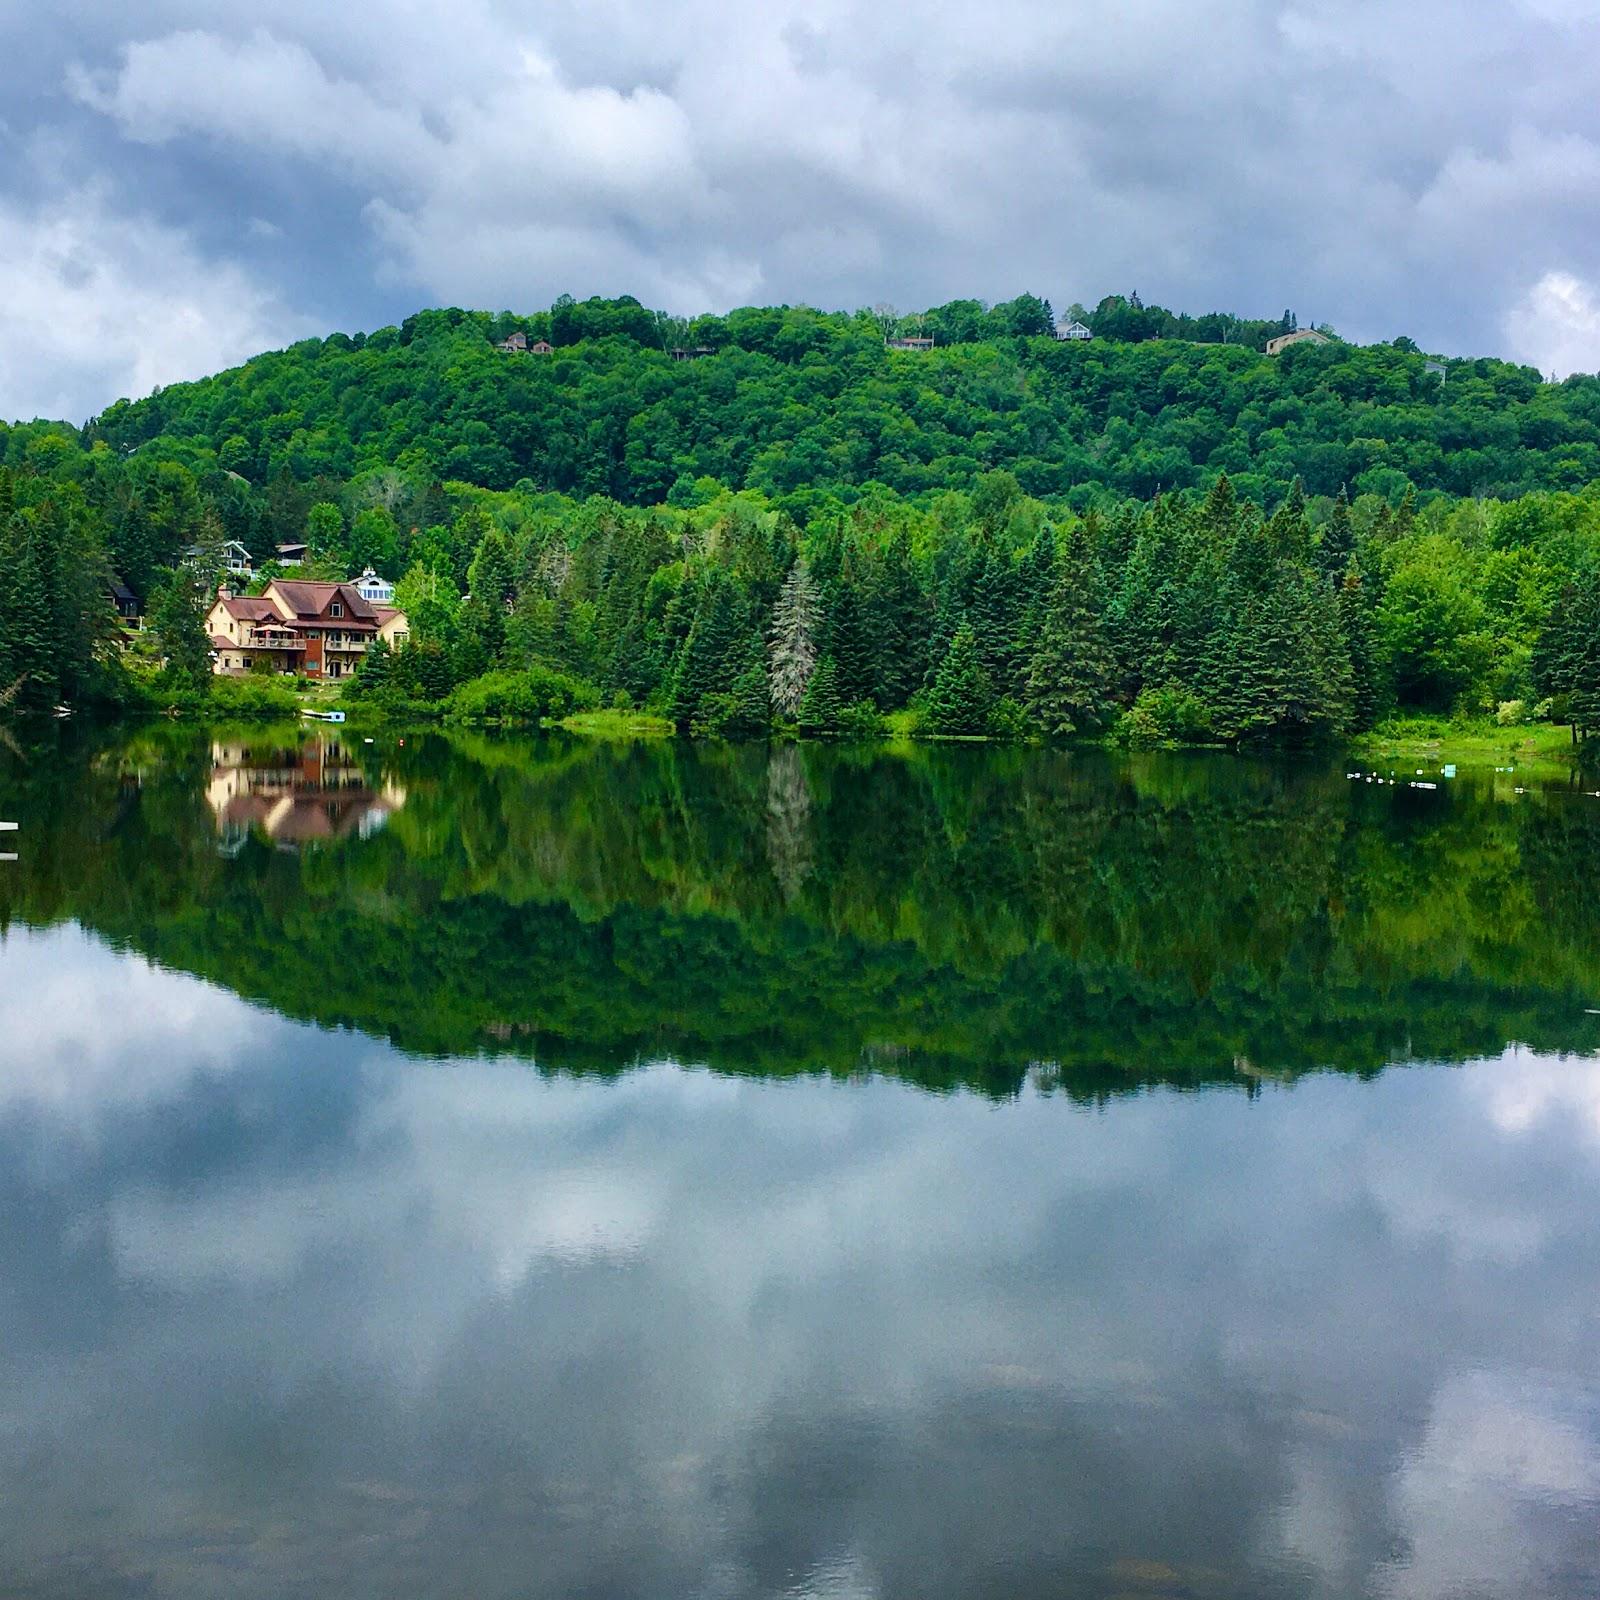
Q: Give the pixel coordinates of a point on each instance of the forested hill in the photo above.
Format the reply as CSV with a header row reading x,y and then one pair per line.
x,y
807,406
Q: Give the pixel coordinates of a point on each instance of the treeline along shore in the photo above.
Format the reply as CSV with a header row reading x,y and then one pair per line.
x,y
785,522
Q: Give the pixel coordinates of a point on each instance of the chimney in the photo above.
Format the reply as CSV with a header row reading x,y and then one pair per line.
x,y
224,592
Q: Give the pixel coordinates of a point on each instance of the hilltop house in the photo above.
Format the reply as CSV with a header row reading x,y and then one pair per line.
x,y
320,629
1071,328
540,347
374,590
513,342
291,555
908,343
1303,336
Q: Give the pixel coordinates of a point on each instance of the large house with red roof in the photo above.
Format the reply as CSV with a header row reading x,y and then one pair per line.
x,y
319,629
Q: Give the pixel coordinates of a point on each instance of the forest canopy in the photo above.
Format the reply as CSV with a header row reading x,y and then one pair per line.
x,y
774,518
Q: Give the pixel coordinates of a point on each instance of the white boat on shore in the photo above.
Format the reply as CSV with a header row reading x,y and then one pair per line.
x,y
324,716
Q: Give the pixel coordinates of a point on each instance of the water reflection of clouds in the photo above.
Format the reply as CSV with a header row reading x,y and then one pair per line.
x,y
819,1339
86,1032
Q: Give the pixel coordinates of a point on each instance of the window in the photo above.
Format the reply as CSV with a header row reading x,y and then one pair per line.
x,y
336,609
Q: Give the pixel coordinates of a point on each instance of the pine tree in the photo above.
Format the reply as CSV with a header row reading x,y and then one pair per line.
x,y
1338,541
847,642
994,611
749,706
705,665
819,710
897,619
792,645
1355,624
177,616
491,578
1566,658
1073,670
962,695
1144,616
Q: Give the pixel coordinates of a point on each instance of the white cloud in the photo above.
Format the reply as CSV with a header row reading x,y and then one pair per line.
x,y
96,303
83,1065
702,154
1496,1452
1556,325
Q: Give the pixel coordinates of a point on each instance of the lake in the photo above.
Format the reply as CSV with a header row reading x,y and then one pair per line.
x,y
473,1166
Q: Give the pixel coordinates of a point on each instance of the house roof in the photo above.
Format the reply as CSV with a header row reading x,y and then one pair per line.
x,y
307,600
250,608
120,592
385,614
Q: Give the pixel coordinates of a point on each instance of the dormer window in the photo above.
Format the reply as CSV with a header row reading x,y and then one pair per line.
x,y
336,609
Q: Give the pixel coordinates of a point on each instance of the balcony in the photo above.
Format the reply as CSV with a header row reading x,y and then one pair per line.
x,y
271,639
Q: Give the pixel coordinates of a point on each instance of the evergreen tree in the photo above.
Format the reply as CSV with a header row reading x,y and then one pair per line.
x,y
375,672
177,616
819,709
1566,660
745,711
709,651
962,695
847,641
491,578
1288,672
1360,640
897,620
1144,616
27,641
994,611
1338,541
1072,671
792,642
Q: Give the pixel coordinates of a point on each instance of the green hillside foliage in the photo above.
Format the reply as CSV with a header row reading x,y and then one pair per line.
x,y
804,406
803,528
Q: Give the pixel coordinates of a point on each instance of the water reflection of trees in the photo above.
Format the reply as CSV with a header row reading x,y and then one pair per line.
x,y
952,916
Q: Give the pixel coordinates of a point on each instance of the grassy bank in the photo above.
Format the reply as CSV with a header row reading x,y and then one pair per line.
x,y
1474,744
613,724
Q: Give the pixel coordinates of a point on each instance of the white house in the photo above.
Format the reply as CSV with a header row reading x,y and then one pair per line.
x,y
1071,328
1300,336
378,591
232,558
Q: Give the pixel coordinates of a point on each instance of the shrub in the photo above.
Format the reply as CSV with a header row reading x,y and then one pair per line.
x,y
531,695
1165,716
254,696
1007,719
1511,711
862,720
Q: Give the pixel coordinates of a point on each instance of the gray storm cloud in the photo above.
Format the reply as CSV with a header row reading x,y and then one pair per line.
x,y
190,183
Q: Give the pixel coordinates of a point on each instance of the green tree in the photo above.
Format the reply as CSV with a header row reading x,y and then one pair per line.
x,y
961,696
706,664
1073,670
821,706
177,617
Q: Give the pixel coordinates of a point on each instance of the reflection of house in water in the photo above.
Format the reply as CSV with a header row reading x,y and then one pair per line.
x,y
295,796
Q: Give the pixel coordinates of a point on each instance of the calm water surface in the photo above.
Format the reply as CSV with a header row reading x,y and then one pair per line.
x,y
506,1168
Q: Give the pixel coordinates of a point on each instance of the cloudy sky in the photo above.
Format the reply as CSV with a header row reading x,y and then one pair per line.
x,y
185,182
